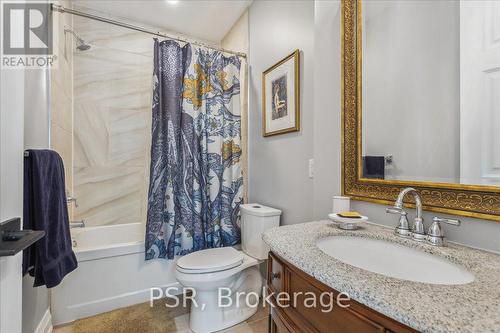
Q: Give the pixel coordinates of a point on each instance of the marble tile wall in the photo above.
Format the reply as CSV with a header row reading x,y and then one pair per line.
x,y
112,116
61,76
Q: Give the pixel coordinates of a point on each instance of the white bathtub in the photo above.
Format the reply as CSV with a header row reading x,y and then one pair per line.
x,y
111,273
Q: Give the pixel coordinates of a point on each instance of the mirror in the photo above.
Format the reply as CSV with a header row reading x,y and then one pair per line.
x,y
421,103
431,91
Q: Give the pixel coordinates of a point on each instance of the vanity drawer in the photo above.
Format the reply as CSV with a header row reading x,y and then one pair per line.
x,y
275,274
336,319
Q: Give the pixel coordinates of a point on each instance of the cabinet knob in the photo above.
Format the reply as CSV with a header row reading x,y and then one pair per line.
x,y
275,276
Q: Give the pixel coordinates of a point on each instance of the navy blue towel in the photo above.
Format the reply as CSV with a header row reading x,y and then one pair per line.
x,y
45,208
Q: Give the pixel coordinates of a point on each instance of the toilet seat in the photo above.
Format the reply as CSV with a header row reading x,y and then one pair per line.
x,y
210,261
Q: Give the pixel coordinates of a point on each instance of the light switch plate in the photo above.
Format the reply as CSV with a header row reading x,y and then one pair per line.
x,y
311,168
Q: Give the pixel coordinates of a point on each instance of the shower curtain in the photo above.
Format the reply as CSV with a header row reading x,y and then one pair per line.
x,y
196,182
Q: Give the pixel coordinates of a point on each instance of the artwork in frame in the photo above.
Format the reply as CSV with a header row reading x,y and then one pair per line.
x,y
281,96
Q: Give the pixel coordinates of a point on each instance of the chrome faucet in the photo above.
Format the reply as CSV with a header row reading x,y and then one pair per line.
x,y
77,224
434,234
417,231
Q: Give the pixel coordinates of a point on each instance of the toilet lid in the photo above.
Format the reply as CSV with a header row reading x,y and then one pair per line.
x,y
211,260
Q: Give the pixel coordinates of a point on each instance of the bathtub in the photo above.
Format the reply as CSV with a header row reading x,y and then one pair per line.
x,y
111,273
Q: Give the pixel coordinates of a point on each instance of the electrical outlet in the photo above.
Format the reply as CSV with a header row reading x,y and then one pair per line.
x,y
311,168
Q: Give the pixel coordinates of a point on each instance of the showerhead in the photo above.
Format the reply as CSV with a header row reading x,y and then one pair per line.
x,y
81,45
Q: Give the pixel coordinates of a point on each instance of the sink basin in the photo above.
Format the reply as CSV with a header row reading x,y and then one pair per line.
x,y
394,260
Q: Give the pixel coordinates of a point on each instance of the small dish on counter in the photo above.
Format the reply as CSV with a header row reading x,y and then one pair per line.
x,y
347,223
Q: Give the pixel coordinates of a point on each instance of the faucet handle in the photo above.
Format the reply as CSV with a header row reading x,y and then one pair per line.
x,y
435,234
70,199
445,220
394,210
403,227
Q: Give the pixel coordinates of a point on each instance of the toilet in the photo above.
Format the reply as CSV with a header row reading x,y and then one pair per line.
x,y
237,271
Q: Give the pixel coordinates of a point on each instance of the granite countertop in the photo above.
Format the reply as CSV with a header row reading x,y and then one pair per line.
x,y
473,307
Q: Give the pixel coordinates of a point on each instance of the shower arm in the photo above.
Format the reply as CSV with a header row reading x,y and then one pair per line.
x,y
78,38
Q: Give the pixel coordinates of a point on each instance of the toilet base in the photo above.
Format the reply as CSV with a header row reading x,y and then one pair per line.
x,y
211,313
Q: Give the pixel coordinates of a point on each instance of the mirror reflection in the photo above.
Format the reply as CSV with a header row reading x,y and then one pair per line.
x,y
431,91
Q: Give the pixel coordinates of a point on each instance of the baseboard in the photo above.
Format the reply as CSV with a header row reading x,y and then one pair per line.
x,y
83,310
45,325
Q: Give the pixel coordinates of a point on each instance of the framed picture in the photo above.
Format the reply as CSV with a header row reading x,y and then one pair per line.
x,y
281,96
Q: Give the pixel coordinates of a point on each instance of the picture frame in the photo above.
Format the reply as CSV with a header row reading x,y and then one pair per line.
x,y
281,96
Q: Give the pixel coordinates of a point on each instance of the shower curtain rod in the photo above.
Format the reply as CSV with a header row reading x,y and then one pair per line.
x,y
62,9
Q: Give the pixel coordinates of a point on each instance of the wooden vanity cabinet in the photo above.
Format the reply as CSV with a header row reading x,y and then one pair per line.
x,y
291,317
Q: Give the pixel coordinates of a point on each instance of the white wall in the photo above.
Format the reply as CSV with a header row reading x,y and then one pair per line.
x,y
289,189
11,191
411,74
36,136
278,165
36,119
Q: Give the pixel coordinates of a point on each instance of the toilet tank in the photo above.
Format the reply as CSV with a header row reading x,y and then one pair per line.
x,y
255,219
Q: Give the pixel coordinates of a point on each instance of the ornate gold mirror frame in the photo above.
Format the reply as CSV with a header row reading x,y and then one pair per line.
x,y
466,200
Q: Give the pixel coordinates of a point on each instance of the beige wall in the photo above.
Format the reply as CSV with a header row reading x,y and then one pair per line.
x,y
237,40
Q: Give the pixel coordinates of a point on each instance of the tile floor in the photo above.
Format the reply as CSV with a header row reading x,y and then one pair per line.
x,y
142,318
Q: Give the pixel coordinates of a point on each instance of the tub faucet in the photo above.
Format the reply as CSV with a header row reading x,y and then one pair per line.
x,y
70,199
417,231
77,224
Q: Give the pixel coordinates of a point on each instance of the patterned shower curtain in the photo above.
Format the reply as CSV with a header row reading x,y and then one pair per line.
x,y
196,182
